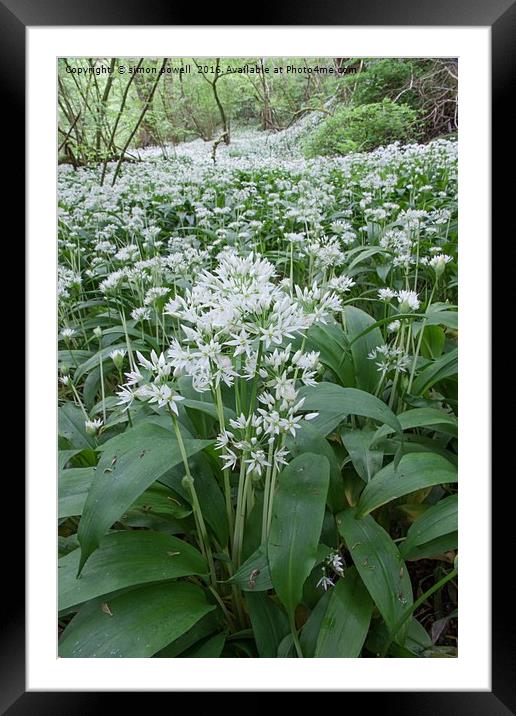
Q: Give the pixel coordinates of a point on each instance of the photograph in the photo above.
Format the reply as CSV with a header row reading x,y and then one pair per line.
x,y
257,325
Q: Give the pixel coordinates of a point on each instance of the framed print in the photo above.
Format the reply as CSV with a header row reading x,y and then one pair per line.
x,y
247,251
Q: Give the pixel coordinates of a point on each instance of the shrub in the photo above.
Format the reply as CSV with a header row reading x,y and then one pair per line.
x,y
363,128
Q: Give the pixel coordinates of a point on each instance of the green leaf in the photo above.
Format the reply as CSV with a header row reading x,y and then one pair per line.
x,y
71,426
124,559
308,439
334,404
346,621
211,648
135,624
438,520
254,574
414,472
379,564
206,626
433,341
159,500
73,486
310,631
129,464
355,321
423,418
297,519
366,460
332,344
103,355
437,370
270,623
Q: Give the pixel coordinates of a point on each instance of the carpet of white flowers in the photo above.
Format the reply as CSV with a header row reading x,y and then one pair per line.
x,y
258,402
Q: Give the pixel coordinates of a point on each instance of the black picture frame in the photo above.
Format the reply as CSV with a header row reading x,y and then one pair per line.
x,y
500,16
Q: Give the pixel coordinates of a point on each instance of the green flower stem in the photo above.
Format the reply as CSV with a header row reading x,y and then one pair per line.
x,y
227,484
295,637
76,394
397,373
420,340
266,494
102,388
196,507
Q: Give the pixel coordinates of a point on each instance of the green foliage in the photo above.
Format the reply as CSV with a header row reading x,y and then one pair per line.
x,y
363,128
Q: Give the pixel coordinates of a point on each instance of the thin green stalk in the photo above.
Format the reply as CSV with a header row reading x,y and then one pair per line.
x,y
419,341
266,491
196,507
227,484
295,637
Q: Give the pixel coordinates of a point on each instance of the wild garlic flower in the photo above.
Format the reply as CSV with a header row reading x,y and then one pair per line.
x,y
117,356
408,301
68,333
93,426
141,314
438,263
389,359
156,386
341,284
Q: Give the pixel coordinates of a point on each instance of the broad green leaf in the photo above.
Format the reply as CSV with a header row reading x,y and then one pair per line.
x,y
415,471
438,520
332,344
64,457
208,408
423,418
254,574
297,519
73,486
355,321
437,370
365,254
206,626
433,342
135,624
346,621
269,622
366,460
310,631
308,439
129,464
334,404
432,549
71,426
210,648
450,319
124,559
103,355
159,500
380,565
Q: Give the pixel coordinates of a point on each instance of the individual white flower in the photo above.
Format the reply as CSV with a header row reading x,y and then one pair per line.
x,y
92,426
341,284
408,301
68,333
257,462
438,263
141,314
325,582
117,356
393,326
385,294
